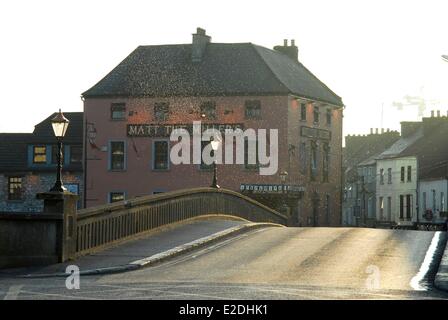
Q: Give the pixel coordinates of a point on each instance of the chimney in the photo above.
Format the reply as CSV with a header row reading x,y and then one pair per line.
x,y
409,127
200,41
371,130
382,130
376,130
291,51
432,113
438,113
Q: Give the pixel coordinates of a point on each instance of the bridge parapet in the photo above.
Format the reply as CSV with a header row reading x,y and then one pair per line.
x,y
105,225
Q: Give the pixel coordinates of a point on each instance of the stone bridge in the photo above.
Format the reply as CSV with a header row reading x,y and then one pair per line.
x,y
60,233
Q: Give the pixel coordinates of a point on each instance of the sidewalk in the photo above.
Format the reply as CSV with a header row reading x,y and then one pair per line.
x,y
441,279
148,250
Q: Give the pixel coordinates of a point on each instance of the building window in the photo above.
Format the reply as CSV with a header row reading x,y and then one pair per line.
x,y
118,111
402,174
326,162
252,109
314,161
401,206
408,206
389,208
117,155
329,117
161,155
381,176
316,115
434,200
303,158
327,208
303,111
14,188
39,154
424,201
442,201
389,175
161,111
208,110
409,177
116,196
381,207
54,154
75,154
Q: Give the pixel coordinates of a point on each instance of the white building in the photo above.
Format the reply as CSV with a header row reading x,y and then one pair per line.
x,y
433,191
396,179
396,190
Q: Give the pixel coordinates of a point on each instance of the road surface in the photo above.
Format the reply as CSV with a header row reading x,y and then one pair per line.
x,y
272,263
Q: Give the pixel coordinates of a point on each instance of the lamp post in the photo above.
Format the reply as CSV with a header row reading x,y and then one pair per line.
x,y
283,176
60,125
215,146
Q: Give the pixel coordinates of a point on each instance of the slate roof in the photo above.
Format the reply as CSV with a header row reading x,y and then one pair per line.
x,y
428,144
13,146
226,70
13,151
400,146
43,131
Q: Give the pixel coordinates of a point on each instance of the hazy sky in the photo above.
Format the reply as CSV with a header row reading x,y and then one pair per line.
x,y
368,52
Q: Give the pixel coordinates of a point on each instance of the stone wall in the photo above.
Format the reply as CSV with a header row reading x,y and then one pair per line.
x,y
33,183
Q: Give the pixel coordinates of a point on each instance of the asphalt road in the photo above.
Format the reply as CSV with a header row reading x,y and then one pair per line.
x,y
272,263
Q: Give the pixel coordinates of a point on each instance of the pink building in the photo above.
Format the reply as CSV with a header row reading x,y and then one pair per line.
x,y
130,112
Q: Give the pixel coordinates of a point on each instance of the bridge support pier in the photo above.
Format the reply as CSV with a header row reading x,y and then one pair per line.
x,y
63,204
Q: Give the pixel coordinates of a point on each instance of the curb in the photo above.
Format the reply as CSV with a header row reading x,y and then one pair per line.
x,y
441,278
162,256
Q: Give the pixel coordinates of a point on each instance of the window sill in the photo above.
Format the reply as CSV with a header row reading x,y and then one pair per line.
x,y
124,119
161,170
117,170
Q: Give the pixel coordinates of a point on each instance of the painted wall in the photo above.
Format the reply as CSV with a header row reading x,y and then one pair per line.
x,y
278,112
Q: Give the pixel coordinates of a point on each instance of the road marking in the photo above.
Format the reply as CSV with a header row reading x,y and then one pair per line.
x,y
424,268
13,292
206,250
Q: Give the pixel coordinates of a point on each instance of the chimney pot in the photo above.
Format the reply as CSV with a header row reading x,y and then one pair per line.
x,y
371,130
432,113
376,130
293,42
285,42
438,113
382,130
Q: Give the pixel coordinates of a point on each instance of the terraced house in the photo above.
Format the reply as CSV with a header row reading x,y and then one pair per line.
x,y
223,85
28,164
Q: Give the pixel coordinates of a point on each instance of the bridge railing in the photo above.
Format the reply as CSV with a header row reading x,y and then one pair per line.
x,y
105,225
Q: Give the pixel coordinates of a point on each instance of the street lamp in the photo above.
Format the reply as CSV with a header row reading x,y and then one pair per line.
x,y
60,125
215,146
445,57
283,176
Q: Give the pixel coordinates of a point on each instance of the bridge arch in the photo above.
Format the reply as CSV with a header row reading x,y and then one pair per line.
x,y
101,226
